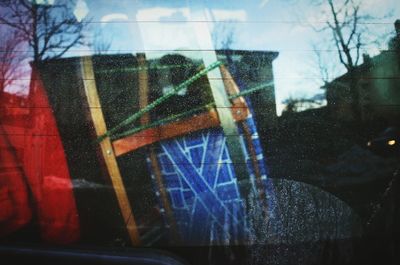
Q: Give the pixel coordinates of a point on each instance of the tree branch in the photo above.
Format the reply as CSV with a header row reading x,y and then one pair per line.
x,y
45,28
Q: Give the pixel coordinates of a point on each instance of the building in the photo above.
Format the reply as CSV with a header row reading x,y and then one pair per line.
x,y
378,87
119,87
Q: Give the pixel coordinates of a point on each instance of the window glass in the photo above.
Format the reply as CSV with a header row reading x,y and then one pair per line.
x,y
228,132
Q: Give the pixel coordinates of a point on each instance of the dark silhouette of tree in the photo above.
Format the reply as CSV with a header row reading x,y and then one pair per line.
x,y
322,68
49,30
349,32
223,35
345,26
11,56
101,45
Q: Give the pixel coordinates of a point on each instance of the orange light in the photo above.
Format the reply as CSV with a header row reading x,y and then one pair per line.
x,y
391,142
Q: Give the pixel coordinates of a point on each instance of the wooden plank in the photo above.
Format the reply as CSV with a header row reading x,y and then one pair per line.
x,y
106,148
221,100
181,127
210,119
143,77
232,89
256,167
145,119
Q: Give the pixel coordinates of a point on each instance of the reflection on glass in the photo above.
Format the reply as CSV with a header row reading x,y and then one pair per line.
x,y
209,124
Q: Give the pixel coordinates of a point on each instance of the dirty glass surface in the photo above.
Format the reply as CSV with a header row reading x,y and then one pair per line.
x,y
223,132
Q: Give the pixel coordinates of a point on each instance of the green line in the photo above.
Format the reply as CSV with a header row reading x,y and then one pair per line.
x,y
171,118
251,90
158,101
143,68
176,117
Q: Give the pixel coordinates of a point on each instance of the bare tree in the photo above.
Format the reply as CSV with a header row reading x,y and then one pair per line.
x,y
324,70
49,30
11,56
223,35
348,28
100,44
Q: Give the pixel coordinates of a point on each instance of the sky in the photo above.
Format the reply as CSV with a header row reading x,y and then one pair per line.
x,y
268,25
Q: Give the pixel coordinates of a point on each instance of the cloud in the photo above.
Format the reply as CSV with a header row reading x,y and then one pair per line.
x,y
113,17
162,13
81,10
157,13
179,32
165,36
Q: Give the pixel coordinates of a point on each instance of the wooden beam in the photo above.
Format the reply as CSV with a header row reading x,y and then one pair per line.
x,y
181,127
221,100
106,148
205,120
145,119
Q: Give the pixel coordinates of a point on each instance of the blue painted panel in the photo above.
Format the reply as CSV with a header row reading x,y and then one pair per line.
x,y
197,170
199,177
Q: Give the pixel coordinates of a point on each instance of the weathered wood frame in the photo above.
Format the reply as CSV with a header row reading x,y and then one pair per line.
x,y
107,151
